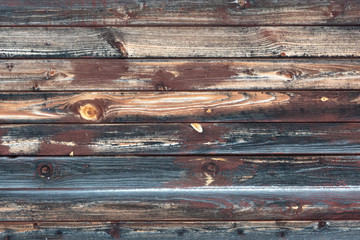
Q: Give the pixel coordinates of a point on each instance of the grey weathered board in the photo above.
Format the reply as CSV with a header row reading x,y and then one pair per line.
x,y
179,42
177,171
205,203
270,230
178,12
222,119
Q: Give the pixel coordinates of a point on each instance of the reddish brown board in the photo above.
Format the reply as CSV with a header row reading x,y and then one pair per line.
x,y
178,75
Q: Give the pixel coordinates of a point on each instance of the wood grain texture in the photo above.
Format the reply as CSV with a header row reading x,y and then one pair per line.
x,y
272,230
177,138
215,12
206,203
102,107
175,75
177,172
179,42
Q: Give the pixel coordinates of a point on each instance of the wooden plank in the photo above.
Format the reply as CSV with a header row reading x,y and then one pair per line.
x,y
179,138
206,203
168,74
180,42
136,12
96,107
336,230
178,172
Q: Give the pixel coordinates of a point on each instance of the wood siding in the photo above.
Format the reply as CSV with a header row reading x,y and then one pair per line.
x,y
179,119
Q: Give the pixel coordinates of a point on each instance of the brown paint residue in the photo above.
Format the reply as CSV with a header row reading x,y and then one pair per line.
x,y
100,73
335,9
63,143
210,137
114,230
196,75
270,35
4,150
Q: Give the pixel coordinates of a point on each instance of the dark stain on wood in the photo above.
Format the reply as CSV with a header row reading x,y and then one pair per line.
x,y
177,138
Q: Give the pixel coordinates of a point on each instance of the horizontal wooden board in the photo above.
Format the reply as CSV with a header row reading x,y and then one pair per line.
x,y
175,75
272,230
206,203
178,172
179,42
136,12
117,107
179,138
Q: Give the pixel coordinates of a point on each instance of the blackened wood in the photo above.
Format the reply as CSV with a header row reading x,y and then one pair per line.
x,y
215,12
272,230
179,42
179,138
102,107
206,203
178,172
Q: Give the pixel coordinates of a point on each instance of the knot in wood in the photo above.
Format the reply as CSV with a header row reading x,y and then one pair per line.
x,y
89,112
45,170
52,72
211,167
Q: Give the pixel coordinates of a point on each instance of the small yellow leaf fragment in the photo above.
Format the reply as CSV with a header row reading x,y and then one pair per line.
x,y
71,154
208,111
197,127
324,99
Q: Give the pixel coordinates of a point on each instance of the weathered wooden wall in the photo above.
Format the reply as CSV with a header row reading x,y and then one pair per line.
x,y
179,119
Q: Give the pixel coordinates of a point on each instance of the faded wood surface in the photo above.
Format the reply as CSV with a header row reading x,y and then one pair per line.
x,y
117,107
155,12
175,75
206,203
180,42
179,138
178,172
272,230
